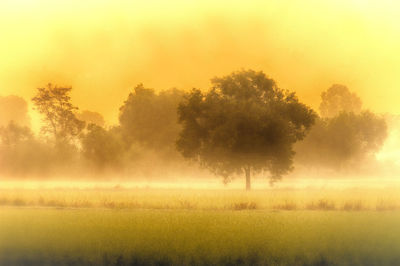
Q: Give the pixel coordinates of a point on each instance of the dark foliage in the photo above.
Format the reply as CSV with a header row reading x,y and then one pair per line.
x,y
245,122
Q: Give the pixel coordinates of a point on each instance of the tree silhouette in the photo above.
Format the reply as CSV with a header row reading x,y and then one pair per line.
x,y
150,118
90,117
342,141
54,103
102,147
244,123
337,99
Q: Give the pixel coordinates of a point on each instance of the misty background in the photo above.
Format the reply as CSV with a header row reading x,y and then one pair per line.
x,y
107,47
345,140
103,50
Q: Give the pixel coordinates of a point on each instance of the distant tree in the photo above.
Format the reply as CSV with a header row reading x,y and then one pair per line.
x,y
339,99
54,103
13,134
344,135
244,123
150,118
102,147
13,108
91,118
342,140
21,154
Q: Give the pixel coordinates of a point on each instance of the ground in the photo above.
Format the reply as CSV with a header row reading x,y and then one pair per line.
x,y
199,227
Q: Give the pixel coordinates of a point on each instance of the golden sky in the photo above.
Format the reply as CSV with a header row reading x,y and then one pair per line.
x,y
104,48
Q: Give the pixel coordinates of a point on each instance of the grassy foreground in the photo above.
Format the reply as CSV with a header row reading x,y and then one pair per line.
x,y
387,199
199,227
42,236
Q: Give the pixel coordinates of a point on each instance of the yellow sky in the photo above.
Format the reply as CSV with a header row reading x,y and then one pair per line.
x,y
104,48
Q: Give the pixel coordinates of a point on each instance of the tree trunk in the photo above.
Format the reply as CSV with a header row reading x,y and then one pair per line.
x,y
248,180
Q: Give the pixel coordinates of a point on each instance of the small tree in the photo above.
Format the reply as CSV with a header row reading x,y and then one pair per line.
x,y
344,135
14,134
54,103
90,117
150,118
342,141
337,99
102,147
244,123
21,154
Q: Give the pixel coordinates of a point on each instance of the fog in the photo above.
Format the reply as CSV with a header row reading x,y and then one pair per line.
x,y
107,47
350,147
106,51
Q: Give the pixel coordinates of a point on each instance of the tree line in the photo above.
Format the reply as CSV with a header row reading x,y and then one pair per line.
x,y
245,124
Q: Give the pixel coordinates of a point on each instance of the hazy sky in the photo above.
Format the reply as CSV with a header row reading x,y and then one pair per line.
x,y
104,48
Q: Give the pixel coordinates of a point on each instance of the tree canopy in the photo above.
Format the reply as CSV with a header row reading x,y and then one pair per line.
x,y
90,117
102,147
244,123
150,118
13,134
344,135
337,99
21,154
54,103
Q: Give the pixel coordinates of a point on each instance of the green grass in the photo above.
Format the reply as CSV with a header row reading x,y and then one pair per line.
x,y
37,236
199,227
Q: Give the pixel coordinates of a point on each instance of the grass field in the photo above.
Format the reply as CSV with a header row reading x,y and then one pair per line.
x,y
349,199
176,227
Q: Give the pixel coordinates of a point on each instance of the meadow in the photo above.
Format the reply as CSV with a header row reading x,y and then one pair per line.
x,y
199,227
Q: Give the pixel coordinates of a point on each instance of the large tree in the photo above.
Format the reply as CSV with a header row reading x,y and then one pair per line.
x,y
244,123
59,118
